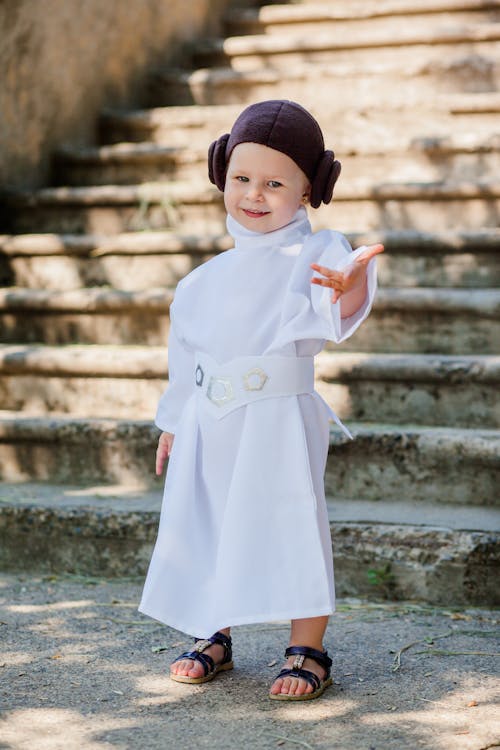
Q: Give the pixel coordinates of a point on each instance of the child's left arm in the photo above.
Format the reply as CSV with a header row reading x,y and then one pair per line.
x,y
350,283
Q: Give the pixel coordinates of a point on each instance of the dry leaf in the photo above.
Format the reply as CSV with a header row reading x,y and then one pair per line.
x,y
56,656
470,704
459,616
273,664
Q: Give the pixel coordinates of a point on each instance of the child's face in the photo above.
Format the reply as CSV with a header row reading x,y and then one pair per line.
x,y
264,188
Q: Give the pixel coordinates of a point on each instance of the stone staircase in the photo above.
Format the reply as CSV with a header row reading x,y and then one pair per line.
x,y
407,93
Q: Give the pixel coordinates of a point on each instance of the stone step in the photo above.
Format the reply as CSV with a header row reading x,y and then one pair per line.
x,y
127,163
444,321
84,381
421,389
345,17
87,316
446,555
429,72
357,127
390,43
126,382
383,462
198,207
140,260
130,261
426,158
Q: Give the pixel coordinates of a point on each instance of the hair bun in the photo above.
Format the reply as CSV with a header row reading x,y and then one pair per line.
x,y
325,178
217,161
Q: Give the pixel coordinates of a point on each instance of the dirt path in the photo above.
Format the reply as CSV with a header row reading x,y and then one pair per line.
x,y
80,669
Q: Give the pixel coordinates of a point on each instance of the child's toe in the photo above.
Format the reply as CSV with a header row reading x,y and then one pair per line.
x,y
286,687
276,687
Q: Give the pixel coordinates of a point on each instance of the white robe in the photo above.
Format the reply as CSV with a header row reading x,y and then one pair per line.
x,y
244,535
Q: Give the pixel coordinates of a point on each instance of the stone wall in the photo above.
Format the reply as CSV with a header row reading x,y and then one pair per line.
x,y
63,60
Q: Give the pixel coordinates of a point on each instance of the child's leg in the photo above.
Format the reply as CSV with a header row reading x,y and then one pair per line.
x,y
190,668
306,632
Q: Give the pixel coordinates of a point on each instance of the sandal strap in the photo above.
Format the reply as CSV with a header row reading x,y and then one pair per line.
x,y
303,674
201,644
204,659
320,657
223,640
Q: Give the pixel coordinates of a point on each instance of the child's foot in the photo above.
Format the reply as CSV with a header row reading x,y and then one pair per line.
x,y
206,659
291,685
192,668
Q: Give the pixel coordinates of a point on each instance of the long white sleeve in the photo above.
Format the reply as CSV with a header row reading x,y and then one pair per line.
x,y
181,383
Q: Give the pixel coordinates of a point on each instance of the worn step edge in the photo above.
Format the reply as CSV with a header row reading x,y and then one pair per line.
x,y
89,361
129,153
416,368
282,14
312,72
109,500
96,538
478,445
446,301
166,243
422,514
482,445
193,193
143,362
122,499
122,154
194,115
322,41
129,243
411,460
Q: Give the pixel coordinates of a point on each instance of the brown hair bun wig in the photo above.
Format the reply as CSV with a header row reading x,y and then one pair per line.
x,y
287,127
327,173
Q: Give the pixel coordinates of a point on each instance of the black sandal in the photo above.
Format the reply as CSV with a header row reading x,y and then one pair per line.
x,y
318,686
209,666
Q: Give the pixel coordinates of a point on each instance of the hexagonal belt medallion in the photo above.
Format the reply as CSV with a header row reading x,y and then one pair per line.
x,y
199,375
255,379
220,391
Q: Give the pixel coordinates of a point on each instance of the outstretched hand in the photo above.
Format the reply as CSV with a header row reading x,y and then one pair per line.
x,y
350,278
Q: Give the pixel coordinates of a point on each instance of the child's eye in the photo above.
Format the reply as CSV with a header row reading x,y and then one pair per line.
x,y
241,178
274,183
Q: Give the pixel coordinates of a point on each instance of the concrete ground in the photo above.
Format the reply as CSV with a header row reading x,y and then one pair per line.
x,y
80,669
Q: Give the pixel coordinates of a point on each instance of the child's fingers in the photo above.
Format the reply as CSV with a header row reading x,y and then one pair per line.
x,y
370,253
161,456
330,283
325,271
163,451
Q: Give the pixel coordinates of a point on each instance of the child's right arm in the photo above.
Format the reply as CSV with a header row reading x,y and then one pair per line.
x,y
163,451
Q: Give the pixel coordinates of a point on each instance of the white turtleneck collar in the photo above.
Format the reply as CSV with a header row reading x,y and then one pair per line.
x,y
291,234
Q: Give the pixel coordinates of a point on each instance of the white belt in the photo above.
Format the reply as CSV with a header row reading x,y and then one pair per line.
x,y
244,380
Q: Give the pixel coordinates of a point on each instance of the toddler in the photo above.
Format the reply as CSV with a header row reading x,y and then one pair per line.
x,y
244,535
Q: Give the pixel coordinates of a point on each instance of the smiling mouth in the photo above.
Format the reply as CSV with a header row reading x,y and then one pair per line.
x,y
254,214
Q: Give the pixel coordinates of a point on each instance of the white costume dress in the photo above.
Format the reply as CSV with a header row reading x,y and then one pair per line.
x,y
244,534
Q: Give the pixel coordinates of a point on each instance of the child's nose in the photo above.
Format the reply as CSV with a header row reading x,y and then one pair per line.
x,y
254,191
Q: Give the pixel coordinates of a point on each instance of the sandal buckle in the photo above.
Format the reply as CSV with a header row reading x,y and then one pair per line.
x,y
202,645
298,661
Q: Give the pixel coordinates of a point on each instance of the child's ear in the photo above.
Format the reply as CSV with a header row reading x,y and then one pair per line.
x,y
305,196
